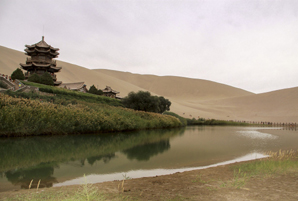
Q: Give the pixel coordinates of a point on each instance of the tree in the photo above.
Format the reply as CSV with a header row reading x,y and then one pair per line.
x,y
46,79
94,90
164,104
18,74
145,102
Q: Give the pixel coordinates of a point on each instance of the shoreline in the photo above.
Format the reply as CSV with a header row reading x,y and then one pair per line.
x,y
205,183
213,183
138,174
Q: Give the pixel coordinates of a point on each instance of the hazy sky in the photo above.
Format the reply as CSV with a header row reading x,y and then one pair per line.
x,y
252,45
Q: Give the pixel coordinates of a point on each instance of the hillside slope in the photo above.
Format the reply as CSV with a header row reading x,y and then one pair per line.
x,y
189,97
178,87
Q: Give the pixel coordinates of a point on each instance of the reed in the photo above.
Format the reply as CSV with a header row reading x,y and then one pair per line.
x,y
30,184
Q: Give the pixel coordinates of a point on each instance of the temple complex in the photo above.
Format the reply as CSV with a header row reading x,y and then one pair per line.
x,y
41,60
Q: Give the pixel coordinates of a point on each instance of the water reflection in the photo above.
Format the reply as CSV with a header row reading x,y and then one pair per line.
x,y
144,152
37,158
106,158
41,174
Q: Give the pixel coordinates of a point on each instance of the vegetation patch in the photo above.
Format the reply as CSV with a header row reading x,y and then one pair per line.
x,y
202,121
19,117
279,163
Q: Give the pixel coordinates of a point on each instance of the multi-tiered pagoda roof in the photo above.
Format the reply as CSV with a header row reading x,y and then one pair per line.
x,y
41,60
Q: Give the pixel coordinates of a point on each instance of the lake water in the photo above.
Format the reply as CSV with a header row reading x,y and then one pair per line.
x,y
64,160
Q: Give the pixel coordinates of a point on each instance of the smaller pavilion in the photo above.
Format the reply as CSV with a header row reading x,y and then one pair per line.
x,y
109,92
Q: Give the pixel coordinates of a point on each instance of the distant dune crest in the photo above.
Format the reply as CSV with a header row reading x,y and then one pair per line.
x,y
190,98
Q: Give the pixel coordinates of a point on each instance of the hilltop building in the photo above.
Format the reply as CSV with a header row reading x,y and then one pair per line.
x,y
41,60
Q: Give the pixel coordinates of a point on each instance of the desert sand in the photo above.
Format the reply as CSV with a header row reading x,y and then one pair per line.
x,y
191,98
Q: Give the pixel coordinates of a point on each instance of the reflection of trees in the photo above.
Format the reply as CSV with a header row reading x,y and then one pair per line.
x,y
36,150
23,177
106,158
144,152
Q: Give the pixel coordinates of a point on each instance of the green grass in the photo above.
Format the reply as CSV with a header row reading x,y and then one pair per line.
x,y
67,95
279,163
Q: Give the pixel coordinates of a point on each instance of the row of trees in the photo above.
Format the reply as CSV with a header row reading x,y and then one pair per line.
x,y
144,101
45,78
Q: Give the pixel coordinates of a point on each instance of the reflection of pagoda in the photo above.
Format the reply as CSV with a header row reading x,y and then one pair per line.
x,y
41,60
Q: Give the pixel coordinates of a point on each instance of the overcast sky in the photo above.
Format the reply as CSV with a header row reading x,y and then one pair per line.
x,y
252,45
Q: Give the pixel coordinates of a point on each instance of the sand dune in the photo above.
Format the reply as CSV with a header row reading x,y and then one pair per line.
x,y
178,87
189,97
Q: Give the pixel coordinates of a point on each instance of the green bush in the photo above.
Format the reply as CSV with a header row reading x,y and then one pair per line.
x,y
18,74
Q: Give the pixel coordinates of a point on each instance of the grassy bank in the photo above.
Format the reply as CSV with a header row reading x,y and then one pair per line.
x,y
202,121
64,96
20,116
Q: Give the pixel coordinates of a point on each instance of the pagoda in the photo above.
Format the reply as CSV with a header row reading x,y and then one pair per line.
x,y
41,60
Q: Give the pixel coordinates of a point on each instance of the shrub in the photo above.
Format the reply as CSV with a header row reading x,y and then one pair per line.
x,y
18,74
34,78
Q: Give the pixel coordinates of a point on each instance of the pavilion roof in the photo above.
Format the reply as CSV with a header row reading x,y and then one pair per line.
x,y
43,66
109,90
41,44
